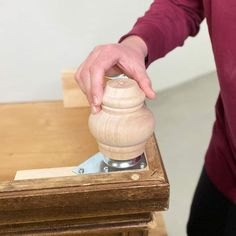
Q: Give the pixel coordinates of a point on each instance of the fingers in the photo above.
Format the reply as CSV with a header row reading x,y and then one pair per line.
x,y
105,60
137,71
83,78
97,84
146,85
110,59
115,70
86,85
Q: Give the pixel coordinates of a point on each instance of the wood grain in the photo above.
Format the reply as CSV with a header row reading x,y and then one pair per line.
x,y
45,173
42,135
72,94
124,124
157,225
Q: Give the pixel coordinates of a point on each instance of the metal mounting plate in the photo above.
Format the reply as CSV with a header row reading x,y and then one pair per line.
x,y
98,163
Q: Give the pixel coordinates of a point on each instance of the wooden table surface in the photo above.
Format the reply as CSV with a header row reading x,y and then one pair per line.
x,y
42,135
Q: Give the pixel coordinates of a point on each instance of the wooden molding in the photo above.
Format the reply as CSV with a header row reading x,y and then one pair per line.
x,y
34,204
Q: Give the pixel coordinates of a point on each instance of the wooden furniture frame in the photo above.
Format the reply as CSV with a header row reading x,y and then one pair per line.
x,y
117,203
65,204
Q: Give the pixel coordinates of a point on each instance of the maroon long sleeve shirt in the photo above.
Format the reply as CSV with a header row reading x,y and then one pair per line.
x,y
165,26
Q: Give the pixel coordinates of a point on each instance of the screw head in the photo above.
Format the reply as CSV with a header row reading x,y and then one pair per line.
x,y
81,170
106,169
135,177
142,165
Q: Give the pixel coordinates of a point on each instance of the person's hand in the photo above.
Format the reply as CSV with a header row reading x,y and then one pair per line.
x,y
127,57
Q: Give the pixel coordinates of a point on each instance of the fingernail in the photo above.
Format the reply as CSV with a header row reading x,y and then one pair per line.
x,y
95,100
94,109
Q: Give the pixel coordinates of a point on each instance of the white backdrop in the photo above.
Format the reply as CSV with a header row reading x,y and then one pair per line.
x,y
40,38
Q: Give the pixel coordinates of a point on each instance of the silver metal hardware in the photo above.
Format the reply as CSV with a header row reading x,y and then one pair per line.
x,y
101,164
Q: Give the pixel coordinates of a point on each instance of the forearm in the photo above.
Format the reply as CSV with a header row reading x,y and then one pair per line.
x,y
137,43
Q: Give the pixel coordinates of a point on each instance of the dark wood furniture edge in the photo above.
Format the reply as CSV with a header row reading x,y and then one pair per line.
x,y
40,202
95,225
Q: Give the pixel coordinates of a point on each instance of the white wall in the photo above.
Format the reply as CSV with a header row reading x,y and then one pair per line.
x,y
40,38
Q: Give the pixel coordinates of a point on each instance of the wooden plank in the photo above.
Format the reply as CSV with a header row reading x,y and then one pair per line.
x,y
112,226
72,94
43,135
45,173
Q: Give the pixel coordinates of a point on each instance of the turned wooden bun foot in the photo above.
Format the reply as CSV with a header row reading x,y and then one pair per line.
x,y
124,124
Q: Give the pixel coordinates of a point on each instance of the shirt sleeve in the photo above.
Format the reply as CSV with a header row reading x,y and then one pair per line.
x,y
166,25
